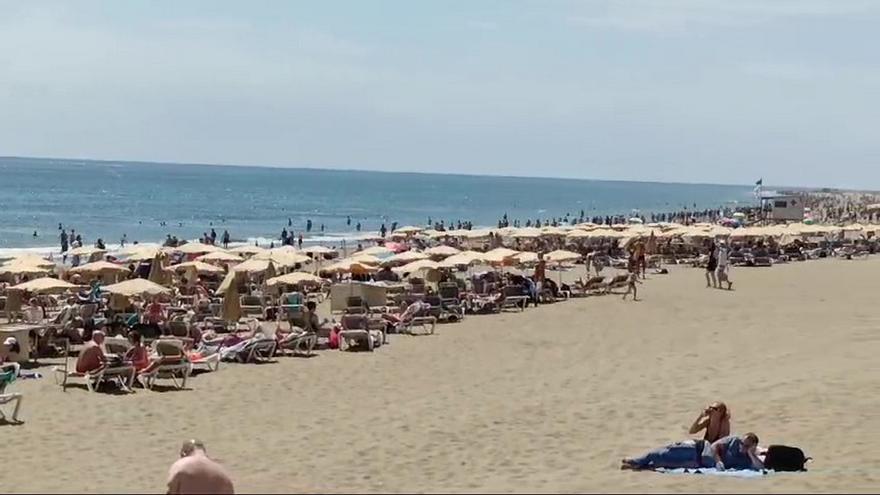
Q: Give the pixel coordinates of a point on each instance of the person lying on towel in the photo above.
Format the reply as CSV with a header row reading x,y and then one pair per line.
x,y
731,452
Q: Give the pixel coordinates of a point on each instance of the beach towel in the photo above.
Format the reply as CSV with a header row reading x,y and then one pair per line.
x,y
731,473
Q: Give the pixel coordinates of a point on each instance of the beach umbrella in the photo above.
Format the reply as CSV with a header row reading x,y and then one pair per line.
x,y
220,256
562,256
349,266
296,278
417,265
197,248
500,255
100,267
30,260
252,265
247,249
85,251
144,253
442,251
45,285
136,287
579,234
557,231
405,257
199,267
464,258
318,250
526,257
636,220
23,269
363,258
526,233
376,251
231,309
158,274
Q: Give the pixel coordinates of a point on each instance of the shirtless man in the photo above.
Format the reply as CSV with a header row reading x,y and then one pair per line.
x,y
91,357
195,472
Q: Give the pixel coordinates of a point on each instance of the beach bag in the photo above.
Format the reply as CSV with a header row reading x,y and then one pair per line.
x,y
785,458
334,338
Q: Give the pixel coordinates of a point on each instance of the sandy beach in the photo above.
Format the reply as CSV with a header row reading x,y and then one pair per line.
x,y
547,400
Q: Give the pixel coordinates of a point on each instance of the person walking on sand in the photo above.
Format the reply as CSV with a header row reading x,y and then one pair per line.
x,y
711,281
195,472
631,282
723,265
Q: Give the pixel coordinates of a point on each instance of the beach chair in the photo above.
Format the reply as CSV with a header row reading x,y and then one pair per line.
x,y
7,378
258,350
514,298
178,326
251,305
92,379
450,298
175,366
357,329
355,305
298,343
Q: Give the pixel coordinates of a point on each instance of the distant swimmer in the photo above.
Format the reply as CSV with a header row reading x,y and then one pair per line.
x,y
60,227
35,233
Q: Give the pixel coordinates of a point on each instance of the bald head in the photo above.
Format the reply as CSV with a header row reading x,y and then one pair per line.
x,y
189,447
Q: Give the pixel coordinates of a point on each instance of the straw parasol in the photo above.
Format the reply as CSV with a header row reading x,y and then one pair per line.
x,y
85,251
562,256
198,266
23,269
464,258
405,257
526,233
231,308
137,287
376,251
247,249
30,260
349,266
284,258
45,285
197,248
318,250
144,253
100,267
252,266
442,251
415,266
295,278
220,256
409,229
526,257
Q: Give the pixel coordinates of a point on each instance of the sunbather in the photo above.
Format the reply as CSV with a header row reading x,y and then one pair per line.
x,y
195,472
715,419
730,452
91,357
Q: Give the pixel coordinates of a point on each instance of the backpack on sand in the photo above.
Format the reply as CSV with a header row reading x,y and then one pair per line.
x,y
784,458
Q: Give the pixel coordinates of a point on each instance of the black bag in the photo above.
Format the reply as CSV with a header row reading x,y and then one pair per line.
x,y
785,458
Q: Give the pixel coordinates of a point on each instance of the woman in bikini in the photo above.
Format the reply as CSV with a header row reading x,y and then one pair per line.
x,y
715,419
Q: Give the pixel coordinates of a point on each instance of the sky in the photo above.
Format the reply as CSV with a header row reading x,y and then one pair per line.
x,y
718,91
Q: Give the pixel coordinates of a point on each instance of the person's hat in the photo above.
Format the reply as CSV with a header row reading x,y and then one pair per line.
x,y
10,341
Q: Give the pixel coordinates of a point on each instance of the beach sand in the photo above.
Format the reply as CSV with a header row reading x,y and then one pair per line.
x,y
548,400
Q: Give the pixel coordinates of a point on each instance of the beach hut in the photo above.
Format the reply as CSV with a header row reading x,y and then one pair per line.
x,y
45,285
137,287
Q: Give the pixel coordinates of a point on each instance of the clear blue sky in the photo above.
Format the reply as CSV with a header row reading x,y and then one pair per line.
x,y
671,90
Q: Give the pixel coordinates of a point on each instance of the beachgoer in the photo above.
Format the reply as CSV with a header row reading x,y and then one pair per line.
x,y
300,240
123,240
225,239
540,274
195,472
138,354
631,288
727,453
348,221
723,266
308,225
712,265
715,419
91,357
358,227
213,236
10,346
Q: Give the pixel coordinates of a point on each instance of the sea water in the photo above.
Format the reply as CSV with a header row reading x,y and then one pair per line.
x,y
147,201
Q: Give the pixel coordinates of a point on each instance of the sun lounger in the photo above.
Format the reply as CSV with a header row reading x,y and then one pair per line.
x,y
514,298
299,343
174,366
360,329
123,375
257,350
8,397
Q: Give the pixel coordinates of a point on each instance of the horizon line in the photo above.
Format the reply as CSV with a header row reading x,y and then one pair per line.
x,y
458,174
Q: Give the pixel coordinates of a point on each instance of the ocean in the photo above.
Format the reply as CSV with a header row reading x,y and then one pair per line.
x,y
146,201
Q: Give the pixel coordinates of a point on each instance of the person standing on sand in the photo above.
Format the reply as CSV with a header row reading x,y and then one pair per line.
x,y
723,266
195,472
225,239
539,276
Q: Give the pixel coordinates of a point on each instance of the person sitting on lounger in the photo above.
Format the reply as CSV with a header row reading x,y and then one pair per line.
x,y
91,357
138,355
730,452
715,419
155,313
10,346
